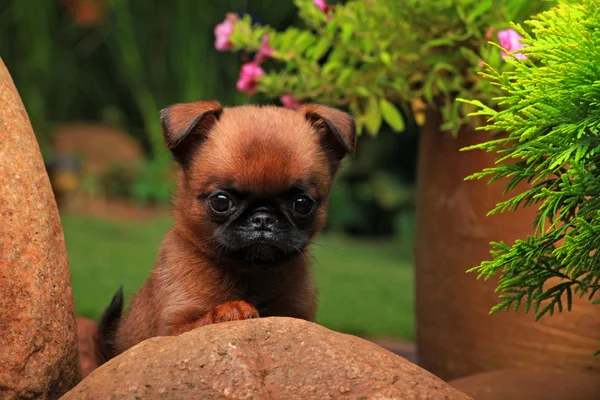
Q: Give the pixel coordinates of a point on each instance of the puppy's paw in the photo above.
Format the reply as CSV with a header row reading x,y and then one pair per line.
x,y
231,311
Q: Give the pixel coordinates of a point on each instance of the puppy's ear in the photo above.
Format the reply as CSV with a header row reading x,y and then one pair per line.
x,y
337,129
186,125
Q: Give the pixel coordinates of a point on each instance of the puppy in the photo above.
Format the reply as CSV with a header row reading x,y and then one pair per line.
x,y
252,193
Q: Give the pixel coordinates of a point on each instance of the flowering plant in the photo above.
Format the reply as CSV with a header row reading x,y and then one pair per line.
x,y
382,59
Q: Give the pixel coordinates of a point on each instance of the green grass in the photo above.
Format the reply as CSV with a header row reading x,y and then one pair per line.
x,y
366,288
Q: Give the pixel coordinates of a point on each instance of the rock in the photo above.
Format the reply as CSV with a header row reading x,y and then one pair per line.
x,y
530,385
38,343
265,358
86,334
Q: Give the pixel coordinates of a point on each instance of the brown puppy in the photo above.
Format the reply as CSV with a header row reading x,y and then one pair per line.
x,y
252,193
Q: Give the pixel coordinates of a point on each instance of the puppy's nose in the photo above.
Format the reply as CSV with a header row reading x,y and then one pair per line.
x,y
262,220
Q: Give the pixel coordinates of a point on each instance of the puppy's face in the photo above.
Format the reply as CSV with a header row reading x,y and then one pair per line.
x,y
255,181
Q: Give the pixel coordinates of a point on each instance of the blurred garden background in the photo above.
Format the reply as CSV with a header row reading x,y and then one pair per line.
x,y
93,75
514,82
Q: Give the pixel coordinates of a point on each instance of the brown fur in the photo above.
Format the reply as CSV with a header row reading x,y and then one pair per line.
x,y
259,149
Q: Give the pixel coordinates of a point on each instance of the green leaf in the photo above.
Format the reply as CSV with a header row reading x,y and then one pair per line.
x,y
287,40
363,91
439,42
337,54
304,41
331,66
368,45
483,6
332,26
344,76
373,116
385,58
360,123
347,31
320,49
391,115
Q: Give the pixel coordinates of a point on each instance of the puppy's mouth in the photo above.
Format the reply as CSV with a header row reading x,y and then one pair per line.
x,y
261,250
262,255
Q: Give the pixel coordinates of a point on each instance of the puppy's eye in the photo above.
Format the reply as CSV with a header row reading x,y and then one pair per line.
x,y
303,205
220,203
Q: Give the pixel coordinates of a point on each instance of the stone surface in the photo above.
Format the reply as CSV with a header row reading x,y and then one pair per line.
x,y
530,385
265,358
38,344
86,334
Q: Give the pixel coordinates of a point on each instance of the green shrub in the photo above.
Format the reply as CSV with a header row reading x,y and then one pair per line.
x,y
153,184
147,183
551,114
116,181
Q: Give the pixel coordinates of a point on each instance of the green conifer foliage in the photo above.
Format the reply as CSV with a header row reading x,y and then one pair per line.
x,y
550,114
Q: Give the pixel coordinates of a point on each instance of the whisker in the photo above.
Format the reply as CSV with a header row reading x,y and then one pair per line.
x,y
327,246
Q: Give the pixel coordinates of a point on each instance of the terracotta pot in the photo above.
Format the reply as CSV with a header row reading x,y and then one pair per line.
x,y
530,385
456,336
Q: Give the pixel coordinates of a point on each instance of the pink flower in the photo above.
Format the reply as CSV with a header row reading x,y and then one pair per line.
x,y
322,5
223,31
265,50
289,101
510,40
249,75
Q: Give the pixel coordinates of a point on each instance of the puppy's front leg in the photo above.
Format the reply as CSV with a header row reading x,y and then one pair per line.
x,y
230,311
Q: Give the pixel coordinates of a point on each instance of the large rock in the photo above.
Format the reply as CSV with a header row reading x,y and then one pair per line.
x,y
38,344
266,358
531,385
